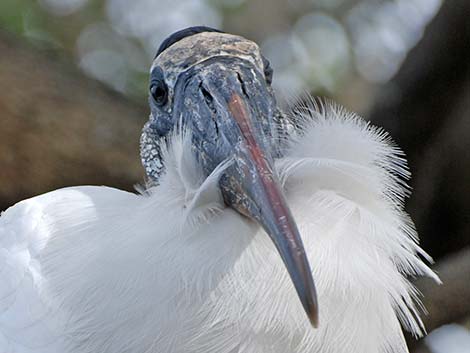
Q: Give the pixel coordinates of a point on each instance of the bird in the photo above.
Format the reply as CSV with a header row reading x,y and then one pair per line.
x,y
257,229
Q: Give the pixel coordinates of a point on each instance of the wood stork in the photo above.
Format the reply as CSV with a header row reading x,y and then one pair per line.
x,y
186,265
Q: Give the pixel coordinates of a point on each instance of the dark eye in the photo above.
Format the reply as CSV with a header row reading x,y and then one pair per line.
x,y
268,71
159,92
158,87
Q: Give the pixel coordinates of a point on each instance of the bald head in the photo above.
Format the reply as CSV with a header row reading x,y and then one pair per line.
x,y
218,87
197,48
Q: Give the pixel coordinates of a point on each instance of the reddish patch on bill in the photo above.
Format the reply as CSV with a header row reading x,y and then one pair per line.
x,y
238,109
277,203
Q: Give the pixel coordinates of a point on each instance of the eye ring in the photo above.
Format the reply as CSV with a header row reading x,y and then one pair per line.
x,y
159,92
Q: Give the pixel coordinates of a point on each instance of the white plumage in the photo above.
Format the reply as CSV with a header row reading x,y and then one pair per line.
x,y
96,269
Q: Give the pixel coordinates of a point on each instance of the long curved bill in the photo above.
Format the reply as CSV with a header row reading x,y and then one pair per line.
x,y
251,187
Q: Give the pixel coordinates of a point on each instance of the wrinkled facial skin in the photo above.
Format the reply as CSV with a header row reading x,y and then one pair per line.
x,y
199,88
217,86
207,90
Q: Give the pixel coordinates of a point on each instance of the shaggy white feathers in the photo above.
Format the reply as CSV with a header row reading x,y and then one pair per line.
x,y
94,269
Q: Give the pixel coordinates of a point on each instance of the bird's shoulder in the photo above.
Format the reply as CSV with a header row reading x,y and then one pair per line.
x,y
26,229
30,222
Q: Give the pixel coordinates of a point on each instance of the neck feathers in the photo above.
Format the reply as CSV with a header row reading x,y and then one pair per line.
x,y
345,181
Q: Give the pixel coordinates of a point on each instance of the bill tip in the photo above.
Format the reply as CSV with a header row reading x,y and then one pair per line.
x,y
314,320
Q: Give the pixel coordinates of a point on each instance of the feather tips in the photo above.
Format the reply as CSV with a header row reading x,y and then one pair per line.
x,y
175,271
357,181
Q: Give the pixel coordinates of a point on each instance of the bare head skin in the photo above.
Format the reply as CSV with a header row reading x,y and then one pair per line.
x,y
218,86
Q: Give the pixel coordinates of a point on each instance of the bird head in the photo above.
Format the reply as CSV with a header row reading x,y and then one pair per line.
x,y
218,87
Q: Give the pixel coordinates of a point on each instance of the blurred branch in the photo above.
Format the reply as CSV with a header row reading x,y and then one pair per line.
x,y
449,302
426,108
421,348
416,102
61,128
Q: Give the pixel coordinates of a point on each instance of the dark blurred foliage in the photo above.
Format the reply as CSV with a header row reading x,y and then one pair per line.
x,y
327,46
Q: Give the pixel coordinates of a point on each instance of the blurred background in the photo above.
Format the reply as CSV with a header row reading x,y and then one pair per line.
x,y
73,98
